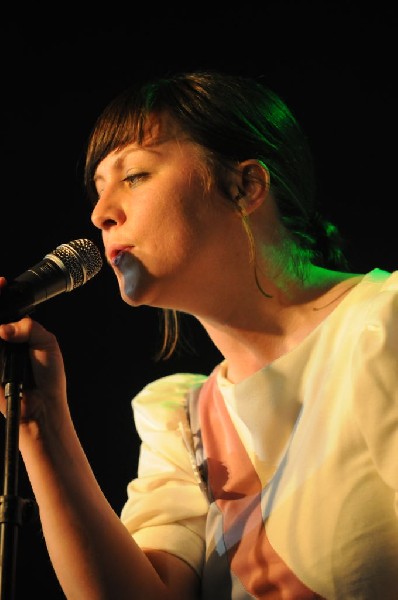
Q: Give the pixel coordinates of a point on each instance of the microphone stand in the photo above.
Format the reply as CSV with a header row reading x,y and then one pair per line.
x,y
13,510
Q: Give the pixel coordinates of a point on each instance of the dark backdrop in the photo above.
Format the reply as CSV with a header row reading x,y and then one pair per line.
x,y
333,62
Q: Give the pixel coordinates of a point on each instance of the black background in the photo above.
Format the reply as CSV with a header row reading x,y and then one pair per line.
x,y
333,62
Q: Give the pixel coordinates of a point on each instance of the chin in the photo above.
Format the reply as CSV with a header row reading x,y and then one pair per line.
x,y
140,291
131,300
136,297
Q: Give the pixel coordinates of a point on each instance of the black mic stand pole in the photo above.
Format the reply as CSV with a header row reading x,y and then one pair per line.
x,y
13,510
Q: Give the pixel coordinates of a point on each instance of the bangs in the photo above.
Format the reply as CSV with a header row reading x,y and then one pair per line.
x,y
123,122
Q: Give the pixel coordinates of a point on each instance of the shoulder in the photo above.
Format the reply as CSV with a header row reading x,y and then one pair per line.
x,y
370,341
164,400
363,328
377,309
377,281
376,296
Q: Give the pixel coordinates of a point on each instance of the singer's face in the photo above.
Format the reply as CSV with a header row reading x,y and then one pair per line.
x,y
169,235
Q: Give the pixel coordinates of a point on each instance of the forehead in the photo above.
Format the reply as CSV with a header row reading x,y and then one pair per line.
x,y
158,129
160,132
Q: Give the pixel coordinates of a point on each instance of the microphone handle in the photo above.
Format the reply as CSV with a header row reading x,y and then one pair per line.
x,y
34,286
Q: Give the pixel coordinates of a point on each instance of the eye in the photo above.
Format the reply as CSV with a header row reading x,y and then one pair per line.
x,y
135,178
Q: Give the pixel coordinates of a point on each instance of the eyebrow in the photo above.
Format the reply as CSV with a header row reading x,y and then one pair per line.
x,y
118,161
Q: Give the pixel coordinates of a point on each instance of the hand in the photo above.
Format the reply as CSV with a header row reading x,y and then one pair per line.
x,y
47,394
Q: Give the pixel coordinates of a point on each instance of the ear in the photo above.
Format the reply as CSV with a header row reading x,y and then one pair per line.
x,y
253,186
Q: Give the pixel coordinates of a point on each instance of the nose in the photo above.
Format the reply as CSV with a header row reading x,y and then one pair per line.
x,y
107,213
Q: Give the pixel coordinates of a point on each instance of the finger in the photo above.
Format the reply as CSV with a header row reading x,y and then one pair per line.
x,y
17,332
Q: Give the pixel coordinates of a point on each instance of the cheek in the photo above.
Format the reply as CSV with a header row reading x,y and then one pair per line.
x,y
172,226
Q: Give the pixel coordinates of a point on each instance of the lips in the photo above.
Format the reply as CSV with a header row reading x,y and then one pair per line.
x,y
115,254
116,259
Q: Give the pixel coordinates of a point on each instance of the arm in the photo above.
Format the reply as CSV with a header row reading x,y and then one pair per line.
x,y
92,552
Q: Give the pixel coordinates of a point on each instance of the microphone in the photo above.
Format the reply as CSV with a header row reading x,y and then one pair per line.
x,y
64,269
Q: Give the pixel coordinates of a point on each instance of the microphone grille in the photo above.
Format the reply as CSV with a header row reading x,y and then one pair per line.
x,y
81,259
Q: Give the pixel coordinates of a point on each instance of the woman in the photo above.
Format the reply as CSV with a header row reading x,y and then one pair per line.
x,y
274,477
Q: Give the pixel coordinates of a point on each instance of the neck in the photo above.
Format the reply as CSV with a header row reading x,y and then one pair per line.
x,y
261,329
